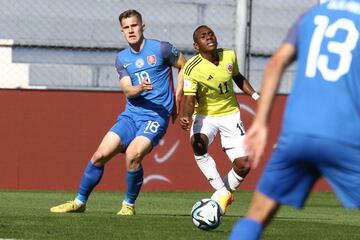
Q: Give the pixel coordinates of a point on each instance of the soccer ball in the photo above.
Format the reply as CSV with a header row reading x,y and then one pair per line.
x,y
206,214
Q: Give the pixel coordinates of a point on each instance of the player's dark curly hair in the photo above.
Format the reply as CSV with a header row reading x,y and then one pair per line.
x,y
130,13
194,34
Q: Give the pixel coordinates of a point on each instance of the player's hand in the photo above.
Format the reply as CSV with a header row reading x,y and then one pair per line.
x,y
185,123
146,85
255,141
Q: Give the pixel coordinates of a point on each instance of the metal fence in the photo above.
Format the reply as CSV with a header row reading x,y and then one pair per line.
x,y
270,21
72,44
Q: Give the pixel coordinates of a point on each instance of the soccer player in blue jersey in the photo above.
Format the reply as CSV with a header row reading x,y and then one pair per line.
x,y
146,79
321,127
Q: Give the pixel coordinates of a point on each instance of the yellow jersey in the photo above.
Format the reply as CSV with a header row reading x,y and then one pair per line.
x,y
211,84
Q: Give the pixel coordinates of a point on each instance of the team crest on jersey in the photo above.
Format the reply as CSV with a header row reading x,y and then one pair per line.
x,y
151,60
139,63
229,68
187,84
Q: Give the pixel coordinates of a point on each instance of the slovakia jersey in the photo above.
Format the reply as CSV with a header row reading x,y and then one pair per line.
x,y
212,84
325,99
154,62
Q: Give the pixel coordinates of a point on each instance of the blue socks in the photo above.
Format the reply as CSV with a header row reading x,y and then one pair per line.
x,y
246,229
91,177
134,181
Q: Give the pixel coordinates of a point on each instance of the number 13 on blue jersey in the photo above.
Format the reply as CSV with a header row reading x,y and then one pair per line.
x,y
342,48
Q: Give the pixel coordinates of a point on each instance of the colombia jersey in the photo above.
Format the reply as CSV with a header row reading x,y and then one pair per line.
x,y
212,84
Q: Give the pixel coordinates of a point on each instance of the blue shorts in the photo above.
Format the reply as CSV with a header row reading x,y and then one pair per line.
x,y
300,160
128,127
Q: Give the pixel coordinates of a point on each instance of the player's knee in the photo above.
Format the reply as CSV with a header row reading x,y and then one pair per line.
x,y
133,164
133,159
199,145
199,149
99,159
241,166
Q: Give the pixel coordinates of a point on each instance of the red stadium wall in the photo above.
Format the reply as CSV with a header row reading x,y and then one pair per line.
x,y
47,138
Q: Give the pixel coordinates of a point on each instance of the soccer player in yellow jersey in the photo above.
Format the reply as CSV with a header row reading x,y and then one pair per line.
x,y
211,107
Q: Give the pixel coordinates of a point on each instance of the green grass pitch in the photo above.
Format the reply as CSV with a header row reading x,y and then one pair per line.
x,y
163,215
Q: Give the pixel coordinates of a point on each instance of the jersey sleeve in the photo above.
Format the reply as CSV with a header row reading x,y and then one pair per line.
x,y
169,52
292,34
120,68
190,85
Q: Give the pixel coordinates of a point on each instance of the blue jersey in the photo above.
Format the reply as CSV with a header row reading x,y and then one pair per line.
x,y
325,99
154,62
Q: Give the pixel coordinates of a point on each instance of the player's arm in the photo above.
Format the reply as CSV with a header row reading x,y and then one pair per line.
x,y
176,59
131,91
180,63
190,91
180,79
126,84
245,86
257,134
188,111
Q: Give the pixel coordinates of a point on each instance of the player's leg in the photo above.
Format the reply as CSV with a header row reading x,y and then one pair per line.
x,y
237,173
287,179
208,167
232,181
232,137
205,161
109,146
232,134
261,211
148,136
202,134
135,152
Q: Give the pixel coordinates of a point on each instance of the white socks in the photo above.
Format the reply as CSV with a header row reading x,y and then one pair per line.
x,y
78,202
232,181
208,166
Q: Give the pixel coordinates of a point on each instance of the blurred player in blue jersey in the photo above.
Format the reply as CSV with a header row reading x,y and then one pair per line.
x,y
146,79
321,127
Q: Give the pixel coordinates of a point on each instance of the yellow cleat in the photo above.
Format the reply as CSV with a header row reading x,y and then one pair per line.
x,y
224,201
68,207
127,210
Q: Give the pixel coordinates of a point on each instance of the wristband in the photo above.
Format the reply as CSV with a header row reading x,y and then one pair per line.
x,y
255,96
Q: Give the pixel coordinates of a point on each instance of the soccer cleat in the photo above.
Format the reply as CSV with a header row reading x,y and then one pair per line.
x,y
224,201
127,210
224,198
69,206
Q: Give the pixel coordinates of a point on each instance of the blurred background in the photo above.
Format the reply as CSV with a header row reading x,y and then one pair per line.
x,y
49,44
